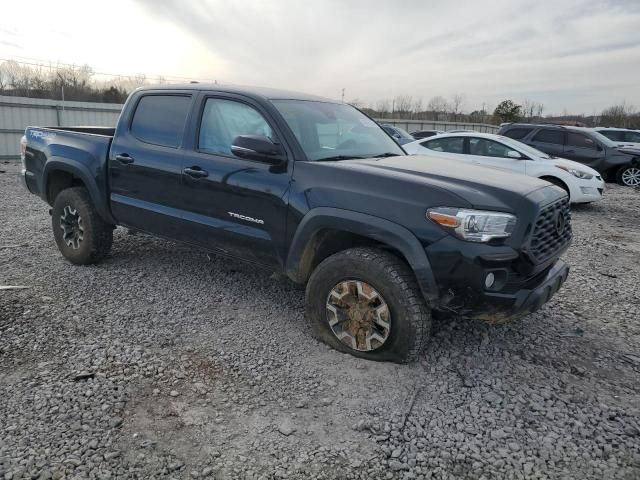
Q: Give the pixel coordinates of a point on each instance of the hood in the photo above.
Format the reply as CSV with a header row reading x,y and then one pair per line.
x,y
571,164
629,148
482,187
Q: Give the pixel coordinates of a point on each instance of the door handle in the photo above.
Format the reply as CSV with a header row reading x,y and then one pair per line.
x,y
124,158
195,172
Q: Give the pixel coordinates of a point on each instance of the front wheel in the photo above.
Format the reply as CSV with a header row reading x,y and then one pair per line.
x,y
366,302
629,176
82,236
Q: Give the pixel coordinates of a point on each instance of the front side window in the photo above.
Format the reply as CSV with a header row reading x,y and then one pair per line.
x,y
160,119
448,145
223,120
334,131
581,141
547,135
517,133
488,148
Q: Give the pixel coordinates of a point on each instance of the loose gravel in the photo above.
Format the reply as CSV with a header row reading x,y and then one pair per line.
x,y
164,362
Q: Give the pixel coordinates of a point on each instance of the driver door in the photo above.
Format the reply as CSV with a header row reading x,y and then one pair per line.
x,y
233,205
494,154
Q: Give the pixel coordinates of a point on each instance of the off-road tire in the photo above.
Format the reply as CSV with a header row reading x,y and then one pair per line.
x,y
393,279
97,235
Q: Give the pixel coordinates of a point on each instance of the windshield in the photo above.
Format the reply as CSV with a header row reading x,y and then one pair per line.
x,y
606,141
335,131
524,148
403,133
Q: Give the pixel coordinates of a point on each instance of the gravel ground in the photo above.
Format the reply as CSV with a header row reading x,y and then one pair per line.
x,y
163,362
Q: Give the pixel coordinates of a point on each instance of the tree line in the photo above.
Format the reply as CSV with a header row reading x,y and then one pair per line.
x,y
80,83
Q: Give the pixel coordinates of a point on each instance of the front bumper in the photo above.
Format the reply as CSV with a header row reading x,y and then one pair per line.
x,y
519,287
586,191
500,307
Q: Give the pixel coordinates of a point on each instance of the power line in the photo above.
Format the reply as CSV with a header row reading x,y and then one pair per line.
x,y
38,63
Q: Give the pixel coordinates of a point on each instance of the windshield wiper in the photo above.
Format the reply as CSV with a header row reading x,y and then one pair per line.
x,y
387,154
338,157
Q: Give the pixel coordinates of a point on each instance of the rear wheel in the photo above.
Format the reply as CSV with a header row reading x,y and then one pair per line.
x,y
366,302
80,233
629,176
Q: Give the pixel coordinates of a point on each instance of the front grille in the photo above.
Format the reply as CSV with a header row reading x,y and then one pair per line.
x,y
552,231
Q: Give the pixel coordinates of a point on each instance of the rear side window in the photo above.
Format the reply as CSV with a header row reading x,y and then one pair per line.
x,y
160,119
581,141
517,133
449,145
547,135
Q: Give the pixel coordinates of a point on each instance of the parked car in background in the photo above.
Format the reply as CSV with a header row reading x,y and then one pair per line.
x,y
583,184
400,135
614,161
418,134
621,135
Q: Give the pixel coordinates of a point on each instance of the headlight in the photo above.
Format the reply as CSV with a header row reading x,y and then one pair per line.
x,y
576,173
473,225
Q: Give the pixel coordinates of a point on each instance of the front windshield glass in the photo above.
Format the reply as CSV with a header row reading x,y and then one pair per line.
x,y
524,148
604,140
335,131
403,133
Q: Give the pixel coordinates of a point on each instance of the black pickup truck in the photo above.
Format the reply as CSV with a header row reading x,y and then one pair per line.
x,y
316,190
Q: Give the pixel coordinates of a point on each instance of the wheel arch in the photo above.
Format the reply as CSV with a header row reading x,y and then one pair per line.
x,y
62,173
557,181
325,231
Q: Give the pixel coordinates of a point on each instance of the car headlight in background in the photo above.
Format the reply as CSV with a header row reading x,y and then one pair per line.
x,y
473,225
576,173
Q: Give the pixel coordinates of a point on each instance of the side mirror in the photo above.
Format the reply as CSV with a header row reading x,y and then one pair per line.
x,y
514,154
258,148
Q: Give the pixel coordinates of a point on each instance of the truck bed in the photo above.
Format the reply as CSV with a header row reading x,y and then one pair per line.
x,y
85,148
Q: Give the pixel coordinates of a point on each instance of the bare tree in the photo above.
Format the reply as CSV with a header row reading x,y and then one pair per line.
x,y
457,102
617,115
438,105
383,107
417,107
402,105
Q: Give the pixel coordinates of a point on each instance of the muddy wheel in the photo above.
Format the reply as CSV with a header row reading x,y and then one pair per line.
x,y
80,233
366,302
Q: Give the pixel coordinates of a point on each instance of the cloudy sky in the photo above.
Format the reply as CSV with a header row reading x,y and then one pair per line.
x,y
578,55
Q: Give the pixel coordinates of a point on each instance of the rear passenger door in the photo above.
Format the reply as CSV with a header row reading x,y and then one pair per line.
x,y
582,149
145,177
234,206
550,141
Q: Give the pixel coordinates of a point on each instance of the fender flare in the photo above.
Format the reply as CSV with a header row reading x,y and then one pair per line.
x,y
376,228
77,169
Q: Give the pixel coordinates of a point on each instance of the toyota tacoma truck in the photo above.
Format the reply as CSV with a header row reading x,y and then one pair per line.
x,y
316,190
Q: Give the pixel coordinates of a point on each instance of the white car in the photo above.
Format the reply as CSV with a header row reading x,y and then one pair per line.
x,y
623,136
583,184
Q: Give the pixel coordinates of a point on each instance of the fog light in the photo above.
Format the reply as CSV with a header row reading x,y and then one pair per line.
x,y
489,280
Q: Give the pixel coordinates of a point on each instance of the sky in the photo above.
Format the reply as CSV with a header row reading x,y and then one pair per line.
x,y
578,56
